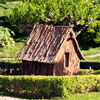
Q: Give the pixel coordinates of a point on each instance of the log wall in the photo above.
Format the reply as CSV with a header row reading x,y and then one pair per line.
x,y
36,68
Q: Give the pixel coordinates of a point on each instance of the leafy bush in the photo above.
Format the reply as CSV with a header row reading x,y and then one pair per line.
x,y
5,37
88,72
92,33
96,72
49,86
85,71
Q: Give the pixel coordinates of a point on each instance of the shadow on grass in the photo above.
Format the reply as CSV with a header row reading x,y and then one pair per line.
x,y
30,97
21,96
16,95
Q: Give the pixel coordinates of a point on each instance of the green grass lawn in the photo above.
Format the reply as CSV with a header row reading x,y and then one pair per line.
x,y
8,5
93,59
1,11
91,51
88,96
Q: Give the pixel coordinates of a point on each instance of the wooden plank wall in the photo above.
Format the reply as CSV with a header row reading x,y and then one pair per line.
x,y
36,68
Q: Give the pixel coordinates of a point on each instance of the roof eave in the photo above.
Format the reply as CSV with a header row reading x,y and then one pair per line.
x,y
81,57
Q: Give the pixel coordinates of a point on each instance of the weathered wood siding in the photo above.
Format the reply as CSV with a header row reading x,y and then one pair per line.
x,y
74,61
36,68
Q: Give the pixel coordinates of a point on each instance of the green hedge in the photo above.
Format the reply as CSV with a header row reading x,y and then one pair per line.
x,y
10,67
88,72
49,86
85,72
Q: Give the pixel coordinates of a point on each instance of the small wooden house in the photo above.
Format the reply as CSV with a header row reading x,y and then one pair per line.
x,y
50,50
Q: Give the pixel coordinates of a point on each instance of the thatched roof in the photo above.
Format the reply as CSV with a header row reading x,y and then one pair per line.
x,y
44,42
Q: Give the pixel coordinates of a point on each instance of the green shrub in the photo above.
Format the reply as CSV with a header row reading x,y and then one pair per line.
x,y
5,37
37,86
96,72
85,71
88,72
50,86
10,67
92,33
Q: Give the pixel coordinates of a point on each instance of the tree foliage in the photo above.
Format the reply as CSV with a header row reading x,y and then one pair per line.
x,y
5,37
92,33
78,13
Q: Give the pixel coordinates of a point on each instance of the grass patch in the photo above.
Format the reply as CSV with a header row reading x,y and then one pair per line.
x,y
91,51
6,7
1,11
87,96
93,59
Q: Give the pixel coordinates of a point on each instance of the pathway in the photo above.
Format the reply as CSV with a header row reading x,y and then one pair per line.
x,y
10,98
94,55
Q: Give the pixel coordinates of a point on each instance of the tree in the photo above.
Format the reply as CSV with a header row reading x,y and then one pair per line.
x,y
77,13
